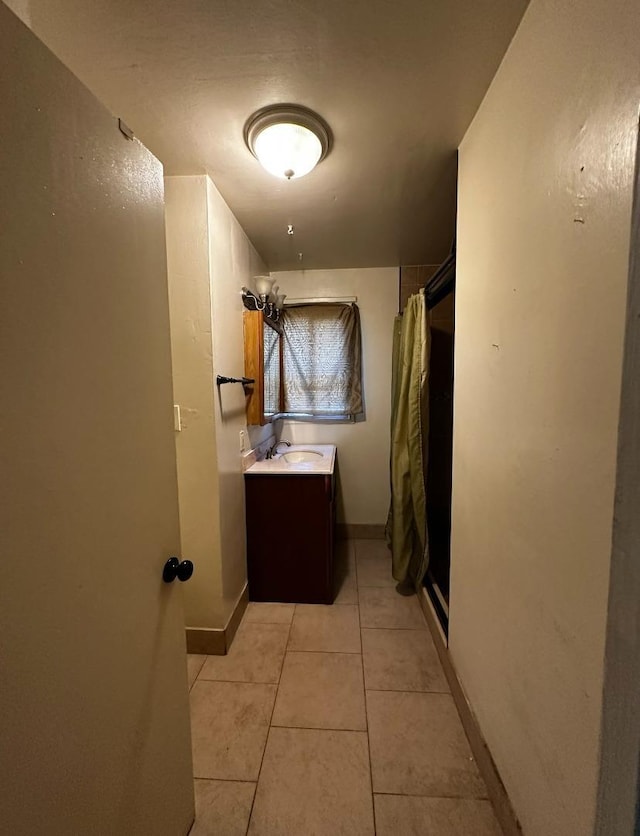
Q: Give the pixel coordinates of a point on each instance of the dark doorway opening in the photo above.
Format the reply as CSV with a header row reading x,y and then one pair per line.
x,y
440,455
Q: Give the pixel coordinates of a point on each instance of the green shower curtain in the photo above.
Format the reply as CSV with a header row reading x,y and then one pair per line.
x,y
406,529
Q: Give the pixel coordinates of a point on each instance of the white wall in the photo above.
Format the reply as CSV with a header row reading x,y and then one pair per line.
x,y
209,260
363,448
543,235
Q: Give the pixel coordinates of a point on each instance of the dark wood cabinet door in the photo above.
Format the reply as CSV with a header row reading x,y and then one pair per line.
x,y
290,529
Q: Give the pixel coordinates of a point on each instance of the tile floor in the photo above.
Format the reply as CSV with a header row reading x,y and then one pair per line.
x,y
335,720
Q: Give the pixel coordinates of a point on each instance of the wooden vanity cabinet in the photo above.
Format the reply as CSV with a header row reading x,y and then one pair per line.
x,y
290,536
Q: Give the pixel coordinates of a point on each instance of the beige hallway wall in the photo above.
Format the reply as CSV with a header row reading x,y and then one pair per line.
x,y
232,261
543,234
209,260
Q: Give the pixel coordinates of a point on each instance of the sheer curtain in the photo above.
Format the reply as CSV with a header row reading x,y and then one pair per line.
x,y
271,353
322,359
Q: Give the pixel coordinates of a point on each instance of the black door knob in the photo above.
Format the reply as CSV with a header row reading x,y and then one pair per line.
x,y
173,569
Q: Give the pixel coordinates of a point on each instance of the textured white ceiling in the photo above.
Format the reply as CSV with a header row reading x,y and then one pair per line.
x,y
398,81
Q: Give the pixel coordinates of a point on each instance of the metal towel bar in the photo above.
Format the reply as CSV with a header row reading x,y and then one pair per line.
x,y
244,380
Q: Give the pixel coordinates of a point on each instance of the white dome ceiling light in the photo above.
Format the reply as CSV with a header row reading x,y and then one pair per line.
x,y
288,140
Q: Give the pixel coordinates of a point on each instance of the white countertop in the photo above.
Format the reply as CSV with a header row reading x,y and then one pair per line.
x,y
279,466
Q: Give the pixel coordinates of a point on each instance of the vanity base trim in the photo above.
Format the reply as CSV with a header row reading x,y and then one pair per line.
x,y
216,641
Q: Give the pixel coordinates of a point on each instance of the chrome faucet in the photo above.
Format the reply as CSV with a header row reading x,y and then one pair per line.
x,y
273,450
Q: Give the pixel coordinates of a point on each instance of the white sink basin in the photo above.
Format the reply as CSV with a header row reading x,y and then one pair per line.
x,y
308,459
301,456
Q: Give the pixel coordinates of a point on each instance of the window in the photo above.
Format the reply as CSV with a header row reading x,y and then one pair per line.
x,y
322,360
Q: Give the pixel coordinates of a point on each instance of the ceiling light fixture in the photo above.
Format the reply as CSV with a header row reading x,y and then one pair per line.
x,y
288,140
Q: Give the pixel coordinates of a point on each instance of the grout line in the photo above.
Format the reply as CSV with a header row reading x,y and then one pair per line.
x,y
295,610
227,780
197,676
407,691
332,652
355,572
449,797
241,681
399,629
304,650
327,606
266,742
366,711
317,728
416,629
